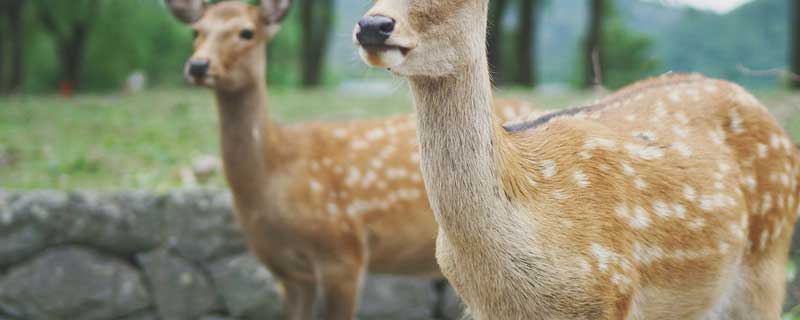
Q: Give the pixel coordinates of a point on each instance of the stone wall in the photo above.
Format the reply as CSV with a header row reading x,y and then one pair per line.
x,y
138,256
141,256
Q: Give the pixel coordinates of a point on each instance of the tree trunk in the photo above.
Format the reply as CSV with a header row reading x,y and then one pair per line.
x,y
593,57
72,52
15,32
526,43
71,41
795,63
316,18
2,52
494,39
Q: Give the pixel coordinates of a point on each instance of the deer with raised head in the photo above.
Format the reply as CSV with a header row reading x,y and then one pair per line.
x,y
674,198
319,203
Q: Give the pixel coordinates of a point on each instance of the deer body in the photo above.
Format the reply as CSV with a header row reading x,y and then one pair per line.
x,y
318,203
674,198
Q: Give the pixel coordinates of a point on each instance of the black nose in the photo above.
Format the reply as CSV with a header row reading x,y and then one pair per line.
x,y
198,68
374,30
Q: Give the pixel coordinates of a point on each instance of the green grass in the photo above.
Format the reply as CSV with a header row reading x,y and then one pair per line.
x,y
143,141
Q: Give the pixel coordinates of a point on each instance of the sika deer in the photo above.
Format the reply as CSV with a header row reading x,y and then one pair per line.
x,y
318,203
674,198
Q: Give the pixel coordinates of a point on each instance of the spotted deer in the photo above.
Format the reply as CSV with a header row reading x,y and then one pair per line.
x,y
318,203
674,198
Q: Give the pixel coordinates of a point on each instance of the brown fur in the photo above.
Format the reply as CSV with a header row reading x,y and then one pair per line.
x,y
319,203
674,198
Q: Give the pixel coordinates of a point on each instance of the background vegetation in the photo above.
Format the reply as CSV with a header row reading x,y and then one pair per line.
x,y
95,45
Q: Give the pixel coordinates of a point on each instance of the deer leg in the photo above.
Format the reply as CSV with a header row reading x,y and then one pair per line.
x,y
340,289
299,299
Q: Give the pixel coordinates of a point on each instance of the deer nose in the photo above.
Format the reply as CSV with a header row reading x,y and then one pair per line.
x,y
374,30
199,68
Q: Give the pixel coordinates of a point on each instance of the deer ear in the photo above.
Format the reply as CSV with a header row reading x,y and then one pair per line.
x,y
187,11
274,11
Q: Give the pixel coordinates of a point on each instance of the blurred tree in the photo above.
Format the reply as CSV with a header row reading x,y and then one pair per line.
x,y
626,58
316,21
69,23
794,20
494,36
11,11
526,43
593,55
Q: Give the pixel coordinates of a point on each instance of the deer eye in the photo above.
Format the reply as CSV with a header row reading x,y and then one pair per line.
x,y
246,34
195,33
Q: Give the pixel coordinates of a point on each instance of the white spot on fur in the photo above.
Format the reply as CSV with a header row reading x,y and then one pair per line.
x,y
638,219
680,131
353,176
644,152
689,193
387,151
358,144
314,185
682,149
762,150
674,97
766,203
333,208
627,169
679,210
369,178
375,134
639,183
602,143
548,168
340,133
377,163
581,179
396,173
737,124
603,255
750,182
584,266
775,141
697,224
662,210
717,135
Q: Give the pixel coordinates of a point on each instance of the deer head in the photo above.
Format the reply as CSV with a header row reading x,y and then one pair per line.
x,y
422,38
230,37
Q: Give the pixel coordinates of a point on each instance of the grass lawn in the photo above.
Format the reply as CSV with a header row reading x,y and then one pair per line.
x,y
143,141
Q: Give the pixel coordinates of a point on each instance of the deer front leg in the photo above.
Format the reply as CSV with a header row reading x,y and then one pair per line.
x,y
340,289
299,300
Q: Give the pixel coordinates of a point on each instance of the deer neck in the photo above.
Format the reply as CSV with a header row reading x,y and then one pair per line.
x,y
459,141
248,138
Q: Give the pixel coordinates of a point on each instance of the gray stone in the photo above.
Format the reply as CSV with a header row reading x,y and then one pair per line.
x,y
396,298
180,289
120,223
72,283
23,226
144,315
454,308
214,317
247,288
201,226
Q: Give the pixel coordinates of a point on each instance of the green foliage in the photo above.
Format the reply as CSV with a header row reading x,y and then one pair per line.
x,y
755,36
134,35
626,54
